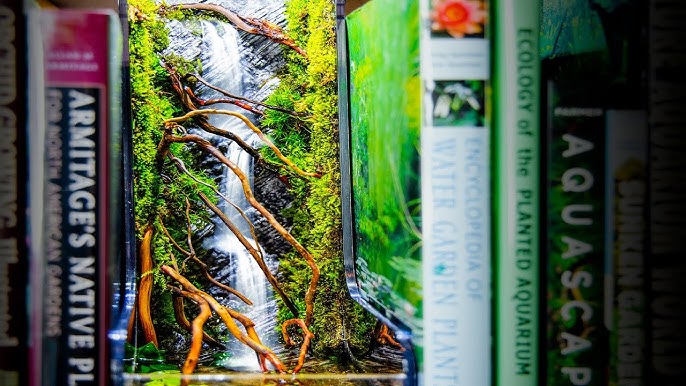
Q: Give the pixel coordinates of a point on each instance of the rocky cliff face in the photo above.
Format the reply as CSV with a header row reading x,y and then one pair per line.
x,y
260,59
273,194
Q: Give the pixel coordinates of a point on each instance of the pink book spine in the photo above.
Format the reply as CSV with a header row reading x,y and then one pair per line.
x,y
76,289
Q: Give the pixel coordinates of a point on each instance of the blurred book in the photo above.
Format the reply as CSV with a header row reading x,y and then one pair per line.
x,y
416,177
76,184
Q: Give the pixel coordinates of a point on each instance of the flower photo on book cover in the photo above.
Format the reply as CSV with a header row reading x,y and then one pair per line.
x,y
459,103
458,18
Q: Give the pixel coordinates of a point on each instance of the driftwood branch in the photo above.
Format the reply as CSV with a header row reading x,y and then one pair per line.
x,y
307,336
249,24
182,168
249,247
172,241
190,255
182,320
203,266
207,147
189,103
385,337
197,332
227,315
238,97
209,102
145,288
255,129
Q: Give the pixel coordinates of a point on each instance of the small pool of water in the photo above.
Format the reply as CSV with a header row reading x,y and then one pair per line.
x,y
301,379
384,367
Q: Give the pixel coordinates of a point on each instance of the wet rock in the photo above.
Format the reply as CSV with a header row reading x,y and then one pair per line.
x,y
274,195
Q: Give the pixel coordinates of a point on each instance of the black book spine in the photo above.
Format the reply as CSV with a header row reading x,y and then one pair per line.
x,y
13,170
667,192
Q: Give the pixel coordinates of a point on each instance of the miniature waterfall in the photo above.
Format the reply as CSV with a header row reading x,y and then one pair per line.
x,y
221,64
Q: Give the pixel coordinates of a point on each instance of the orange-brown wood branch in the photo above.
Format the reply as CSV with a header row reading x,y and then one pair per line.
x,y
182,320
182,168
207,146
145,288
253,252
307,337
197,333
250,25
251,339
250,101
385,337
255,129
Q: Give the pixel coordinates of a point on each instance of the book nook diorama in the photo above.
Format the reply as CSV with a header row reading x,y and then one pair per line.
x,y
237,195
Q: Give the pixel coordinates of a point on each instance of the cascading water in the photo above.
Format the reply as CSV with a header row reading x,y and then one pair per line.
x,y
221,64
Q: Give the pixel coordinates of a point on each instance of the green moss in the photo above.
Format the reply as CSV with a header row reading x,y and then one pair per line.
x,y
310,86
156,198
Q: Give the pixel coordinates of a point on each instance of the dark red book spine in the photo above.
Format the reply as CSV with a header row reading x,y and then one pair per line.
x,y
76,286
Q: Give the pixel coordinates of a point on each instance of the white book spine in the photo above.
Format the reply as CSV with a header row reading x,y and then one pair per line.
x,y
456,336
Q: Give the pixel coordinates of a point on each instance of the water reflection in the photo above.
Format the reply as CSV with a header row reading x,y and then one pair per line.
x,y
319,379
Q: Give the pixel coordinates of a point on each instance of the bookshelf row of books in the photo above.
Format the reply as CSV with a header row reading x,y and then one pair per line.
x,y
572,193
320,192
62,79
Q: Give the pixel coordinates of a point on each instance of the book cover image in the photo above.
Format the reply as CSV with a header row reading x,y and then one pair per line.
x,y
237,201
385,131
417,242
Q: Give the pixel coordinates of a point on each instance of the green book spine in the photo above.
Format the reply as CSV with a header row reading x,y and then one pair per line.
x,y
516,137
575,86
576,342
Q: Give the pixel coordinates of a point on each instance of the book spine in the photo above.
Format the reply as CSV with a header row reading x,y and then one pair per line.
x,y
455,185
13,224
596,167
516,156
574,234
626,189
667,173
36,140
77,227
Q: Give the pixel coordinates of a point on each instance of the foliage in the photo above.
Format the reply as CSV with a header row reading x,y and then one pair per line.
x,y
147,359
159,198
148,110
